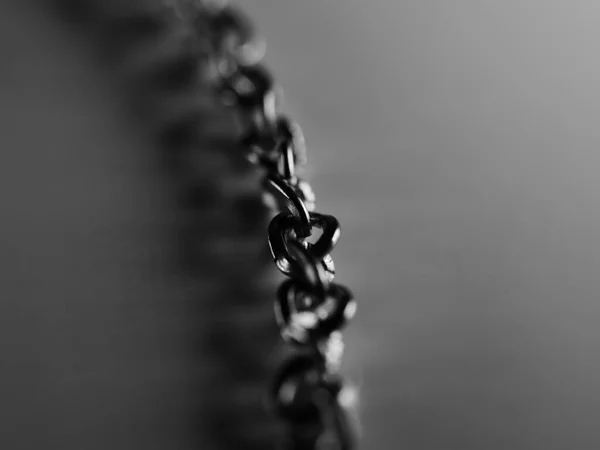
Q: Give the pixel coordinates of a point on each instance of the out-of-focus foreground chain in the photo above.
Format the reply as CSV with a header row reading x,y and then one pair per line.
x,y
311,309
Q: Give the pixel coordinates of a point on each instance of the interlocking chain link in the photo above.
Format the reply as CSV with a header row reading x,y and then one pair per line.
x,y
311,309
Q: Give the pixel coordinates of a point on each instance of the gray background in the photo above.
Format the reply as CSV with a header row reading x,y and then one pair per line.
x,y
457,143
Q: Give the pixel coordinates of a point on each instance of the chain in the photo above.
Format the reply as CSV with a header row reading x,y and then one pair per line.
x,y
308,393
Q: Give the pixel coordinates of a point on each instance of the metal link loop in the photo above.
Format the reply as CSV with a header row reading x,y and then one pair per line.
x,y
282,226
250,87
312,325
233,40
308,269
286,167
291,135
228,21
338,433
273,199
306,395
294,201
293,386
267,145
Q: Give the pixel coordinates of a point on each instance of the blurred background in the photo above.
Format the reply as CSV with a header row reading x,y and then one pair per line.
x,y
457,142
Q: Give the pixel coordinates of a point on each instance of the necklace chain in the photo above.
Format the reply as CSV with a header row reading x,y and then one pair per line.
x,y
307,393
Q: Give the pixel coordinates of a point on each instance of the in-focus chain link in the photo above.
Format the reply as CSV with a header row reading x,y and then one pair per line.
x,y
311,309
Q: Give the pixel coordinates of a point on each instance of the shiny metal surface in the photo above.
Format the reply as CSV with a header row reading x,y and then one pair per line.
x,y
318,318
301,393
264,139
283,225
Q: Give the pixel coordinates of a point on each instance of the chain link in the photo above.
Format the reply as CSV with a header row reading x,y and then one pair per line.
x,y
310,309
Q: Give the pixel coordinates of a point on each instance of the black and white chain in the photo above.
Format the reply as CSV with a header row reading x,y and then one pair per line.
x,y
311,309
307,393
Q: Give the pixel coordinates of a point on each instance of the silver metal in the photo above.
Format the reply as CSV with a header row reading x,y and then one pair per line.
x,y
329,314
294,202
234,41
266,142
307,395
281,229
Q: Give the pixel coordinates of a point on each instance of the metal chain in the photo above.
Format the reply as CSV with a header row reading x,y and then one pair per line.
x,y
311,309
307,392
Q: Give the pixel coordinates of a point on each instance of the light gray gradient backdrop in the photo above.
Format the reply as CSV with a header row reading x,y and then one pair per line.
x,y
459,142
